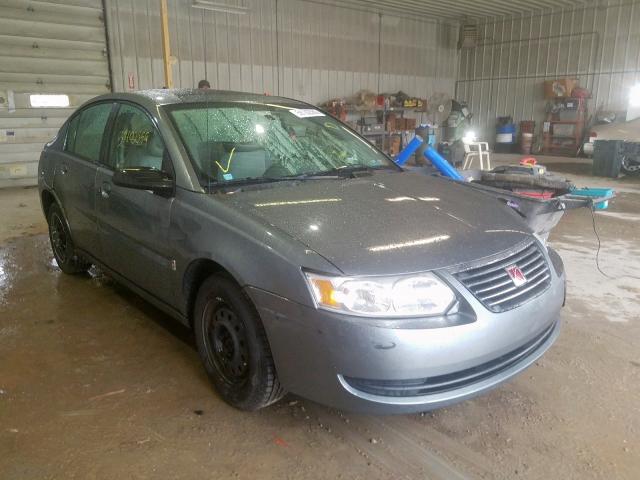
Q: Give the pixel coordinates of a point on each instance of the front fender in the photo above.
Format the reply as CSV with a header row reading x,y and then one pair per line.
x,y
254,253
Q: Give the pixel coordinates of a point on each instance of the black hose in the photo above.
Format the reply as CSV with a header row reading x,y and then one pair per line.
x,y
595,230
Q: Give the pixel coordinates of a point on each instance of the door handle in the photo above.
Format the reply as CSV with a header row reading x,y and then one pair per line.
x,y
105,189
64,169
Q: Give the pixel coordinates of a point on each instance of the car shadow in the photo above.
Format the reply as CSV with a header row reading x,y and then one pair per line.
x,y
146,309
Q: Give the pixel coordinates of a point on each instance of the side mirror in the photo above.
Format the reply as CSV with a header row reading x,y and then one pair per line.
x,y
144,179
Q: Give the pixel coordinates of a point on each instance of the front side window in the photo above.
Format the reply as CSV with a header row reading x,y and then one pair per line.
x,y
135,142
238,141
85,131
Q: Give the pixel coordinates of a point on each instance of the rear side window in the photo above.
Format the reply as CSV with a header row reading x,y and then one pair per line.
x,y
71,133
85,132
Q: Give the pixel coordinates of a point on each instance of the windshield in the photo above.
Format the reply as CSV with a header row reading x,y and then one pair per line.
x,y
231,142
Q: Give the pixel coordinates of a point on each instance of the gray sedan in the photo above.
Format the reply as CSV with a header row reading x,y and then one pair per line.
x,y
303,258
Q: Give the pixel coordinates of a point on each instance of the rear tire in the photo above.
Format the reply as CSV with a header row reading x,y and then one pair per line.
x,y
233,346
631,166
63,249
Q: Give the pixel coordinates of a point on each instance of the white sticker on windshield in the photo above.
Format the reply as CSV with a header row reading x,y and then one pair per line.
x,y
306,112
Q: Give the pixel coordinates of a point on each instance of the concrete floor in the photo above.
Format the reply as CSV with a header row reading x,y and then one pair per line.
x,y
95,383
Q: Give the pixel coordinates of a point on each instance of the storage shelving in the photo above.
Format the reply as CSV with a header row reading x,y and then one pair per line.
x,y
378,131
563,130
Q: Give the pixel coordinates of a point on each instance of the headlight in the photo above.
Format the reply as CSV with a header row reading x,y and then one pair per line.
x,y
399,296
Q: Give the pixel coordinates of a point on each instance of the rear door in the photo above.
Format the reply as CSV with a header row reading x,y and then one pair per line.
x,y
134,224
75,172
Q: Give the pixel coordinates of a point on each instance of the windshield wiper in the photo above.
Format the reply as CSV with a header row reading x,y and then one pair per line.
x,y
311,176
246,181
344,171
349,170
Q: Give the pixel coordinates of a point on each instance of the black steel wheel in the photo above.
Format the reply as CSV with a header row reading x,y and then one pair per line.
x,y
61,243
631,165
226,342
58,237
233,345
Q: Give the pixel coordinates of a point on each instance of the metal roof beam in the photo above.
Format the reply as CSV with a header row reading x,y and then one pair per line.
x,y
499,8
428,7
456,10
392,7
366,6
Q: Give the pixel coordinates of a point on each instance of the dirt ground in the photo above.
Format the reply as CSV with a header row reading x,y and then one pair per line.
x,y
97,384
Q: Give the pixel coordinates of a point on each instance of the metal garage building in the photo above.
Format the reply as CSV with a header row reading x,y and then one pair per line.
x,y
45,48
597,44
312,50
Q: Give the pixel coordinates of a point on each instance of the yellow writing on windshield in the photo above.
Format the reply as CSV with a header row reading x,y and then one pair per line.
x,y
226,170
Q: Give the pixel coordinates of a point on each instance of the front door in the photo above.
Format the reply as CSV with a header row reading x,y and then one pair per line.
x,y
133,225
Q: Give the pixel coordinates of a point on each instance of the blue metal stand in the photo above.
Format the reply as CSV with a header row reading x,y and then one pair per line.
x,y
409,150
431,154
441,163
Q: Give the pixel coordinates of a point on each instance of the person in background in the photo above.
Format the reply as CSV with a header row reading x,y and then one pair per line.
x,y
204,85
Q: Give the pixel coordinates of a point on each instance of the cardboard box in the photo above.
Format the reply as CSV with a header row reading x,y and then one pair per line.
x,y
402,124
391,121
564,130
562,87
393,145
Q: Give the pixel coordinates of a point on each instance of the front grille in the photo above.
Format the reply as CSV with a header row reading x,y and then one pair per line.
x,y
490,283
451,381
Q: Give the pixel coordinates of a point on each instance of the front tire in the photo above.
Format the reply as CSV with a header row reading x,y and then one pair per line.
x,y
63,249
233,346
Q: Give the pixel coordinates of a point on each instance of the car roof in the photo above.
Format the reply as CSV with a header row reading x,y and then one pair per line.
x,y
158,97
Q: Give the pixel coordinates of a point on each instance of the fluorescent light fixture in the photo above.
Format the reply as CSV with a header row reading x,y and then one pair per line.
x,y
38,100
297,202
220,7
403,199
400,199
413,243
634,96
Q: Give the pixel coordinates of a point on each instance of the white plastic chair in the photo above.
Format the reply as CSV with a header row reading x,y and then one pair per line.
x,y
479,150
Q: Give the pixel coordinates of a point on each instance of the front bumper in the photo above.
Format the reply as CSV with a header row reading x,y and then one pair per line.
x,y
401,366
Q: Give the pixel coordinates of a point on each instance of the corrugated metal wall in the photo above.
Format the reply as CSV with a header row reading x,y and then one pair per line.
x,y
294,48
45,47
600,45
418,57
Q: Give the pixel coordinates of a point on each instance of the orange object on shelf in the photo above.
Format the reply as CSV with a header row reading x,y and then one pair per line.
x,y
561,87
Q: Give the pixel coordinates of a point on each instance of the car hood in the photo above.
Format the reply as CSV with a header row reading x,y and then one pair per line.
x,y
629,131
386,223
